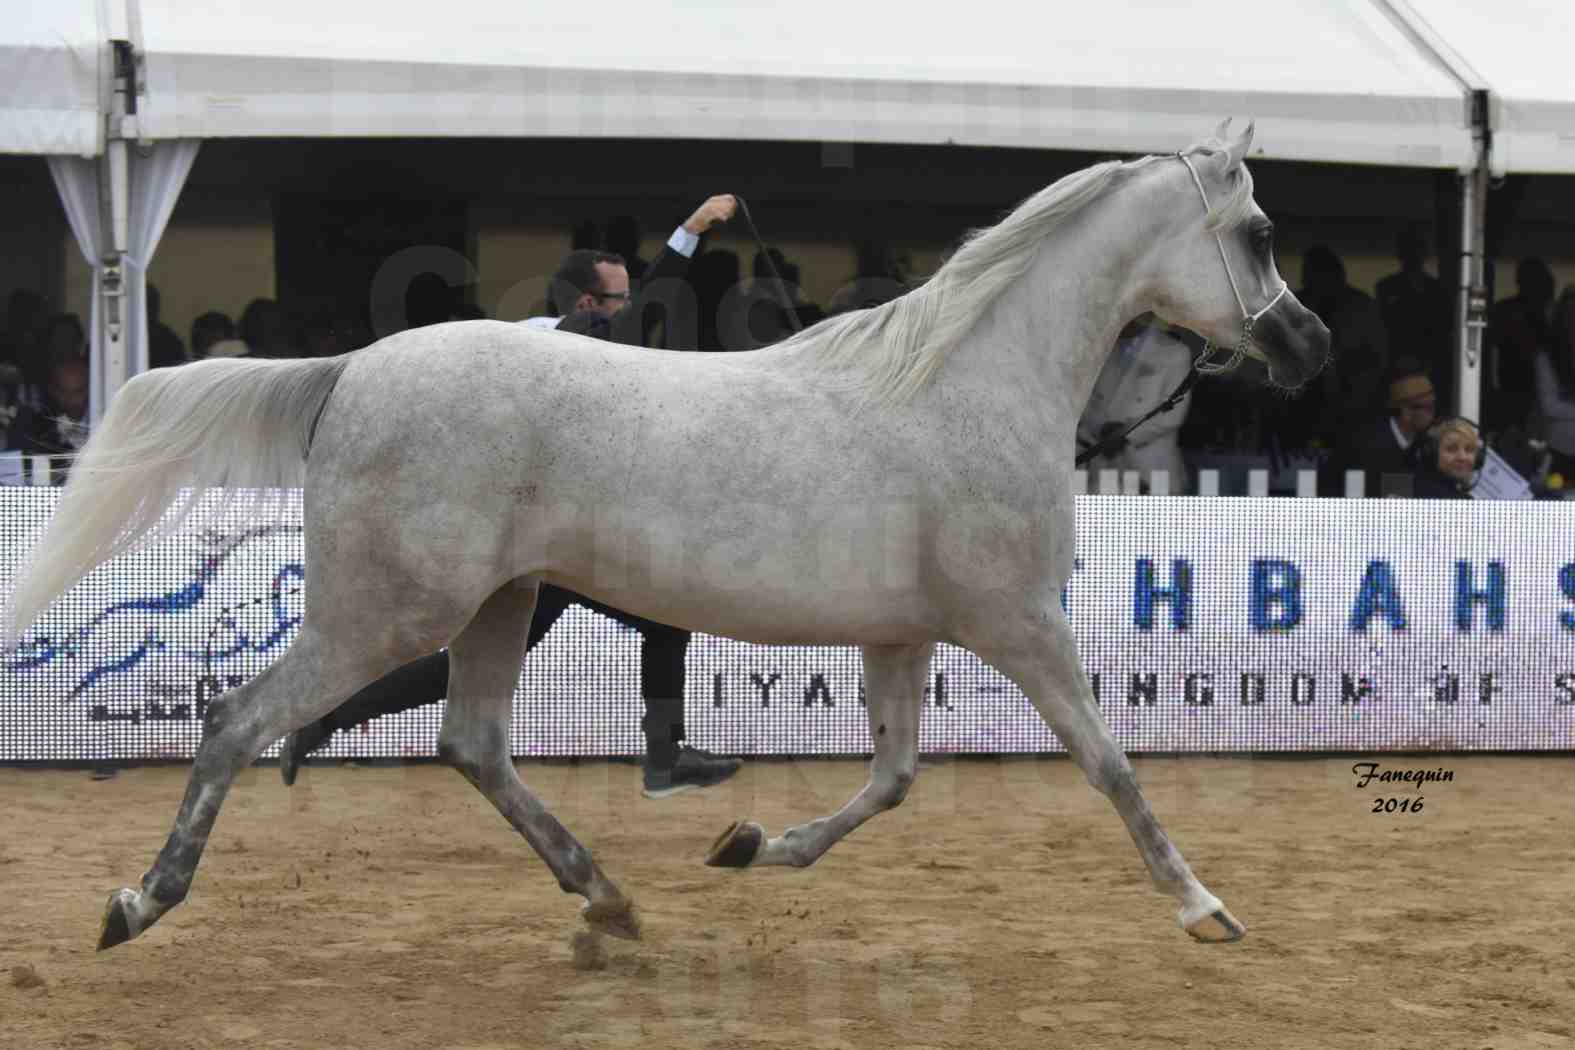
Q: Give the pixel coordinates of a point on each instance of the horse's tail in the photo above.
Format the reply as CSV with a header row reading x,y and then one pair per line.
x,y
169,434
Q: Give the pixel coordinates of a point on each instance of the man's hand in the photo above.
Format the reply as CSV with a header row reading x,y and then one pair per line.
x,y
717,209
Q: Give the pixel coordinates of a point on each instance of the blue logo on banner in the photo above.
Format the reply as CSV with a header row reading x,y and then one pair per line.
x,y
44,651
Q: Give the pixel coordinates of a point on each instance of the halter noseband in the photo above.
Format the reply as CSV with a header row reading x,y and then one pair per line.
x,y
1248,319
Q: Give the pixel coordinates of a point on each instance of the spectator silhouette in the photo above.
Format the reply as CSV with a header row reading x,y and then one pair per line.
x,y
64,337
164,346
771,296
623,240
1415,311
1518,329
585,237
210,329
20,344
1350,388
428,300
16,410
713,275
265,331
325,335
1555,379
878,278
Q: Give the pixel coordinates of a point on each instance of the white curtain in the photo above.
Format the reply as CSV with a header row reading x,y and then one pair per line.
x,y
76,179
156,177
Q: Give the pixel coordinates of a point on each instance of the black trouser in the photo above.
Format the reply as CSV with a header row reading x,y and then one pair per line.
x,y
425,681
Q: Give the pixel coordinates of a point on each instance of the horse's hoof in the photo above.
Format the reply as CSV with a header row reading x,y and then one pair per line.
x,y
1217,927
615,918
117,927
738,846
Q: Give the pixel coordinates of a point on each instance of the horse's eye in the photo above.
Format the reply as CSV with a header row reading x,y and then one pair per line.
x,y
1263,239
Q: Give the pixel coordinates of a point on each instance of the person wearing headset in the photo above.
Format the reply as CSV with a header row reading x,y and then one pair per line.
x,y
1445,459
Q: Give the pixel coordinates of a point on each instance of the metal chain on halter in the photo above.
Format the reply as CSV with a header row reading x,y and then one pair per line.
x,y
1214,368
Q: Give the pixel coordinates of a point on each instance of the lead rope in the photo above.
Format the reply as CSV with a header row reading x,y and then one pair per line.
x,y
777,283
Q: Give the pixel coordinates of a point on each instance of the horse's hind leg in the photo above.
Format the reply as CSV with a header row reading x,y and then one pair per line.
x,y
237,728
484,667
1042,659
894,691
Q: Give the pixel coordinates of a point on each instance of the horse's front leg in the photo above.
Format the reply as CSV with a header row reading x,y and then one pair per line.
x,y
484,666
894,691
1040,655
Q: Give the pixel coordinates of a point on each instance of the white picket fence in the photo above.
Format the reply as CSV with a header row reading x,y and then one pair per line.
x,y
11,470
1130,483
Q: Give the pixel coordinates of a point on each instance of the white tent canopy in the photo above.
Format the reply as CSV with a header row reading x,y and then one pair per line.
x,y
1333,81
1344,81
1522,50
49,78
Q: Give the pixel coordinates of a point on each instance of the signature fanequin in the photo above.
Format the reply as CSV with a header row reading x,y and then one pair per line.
x,y
1370,772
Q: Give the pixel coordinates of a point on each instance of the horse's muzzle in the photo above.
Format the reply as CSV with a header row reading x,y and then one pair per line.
x,y
1294,342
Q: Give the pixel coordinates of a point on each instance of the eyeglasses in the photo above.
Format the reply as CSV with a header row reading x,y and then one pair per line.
x,y
620,296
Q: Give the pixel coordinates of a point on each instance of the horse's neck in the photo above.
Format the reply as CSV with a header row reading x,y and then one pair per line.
x,y
1048,335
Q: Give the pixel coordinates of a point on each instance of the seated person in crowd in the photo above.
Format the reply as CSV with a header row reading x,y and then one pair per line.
x,y
1555,380
60,427
164,346
1379,446
16,410
1445,460
209,330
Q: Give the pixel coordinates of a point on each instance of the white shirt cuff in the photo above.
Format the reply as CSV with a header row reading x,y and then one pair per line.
x,y
683,242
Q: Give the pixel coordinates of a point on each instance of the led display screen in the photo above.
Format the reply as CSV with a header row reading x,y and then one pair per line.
x,y
1237,625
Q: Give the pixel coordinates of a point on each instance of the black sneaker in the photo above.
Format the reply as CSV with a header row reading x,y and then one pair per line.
x,y
294,748
694,769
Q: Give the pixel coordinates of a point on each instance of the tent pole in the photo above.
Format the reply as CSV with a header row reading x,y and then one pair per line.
x,y
1471,304
115,190
114,180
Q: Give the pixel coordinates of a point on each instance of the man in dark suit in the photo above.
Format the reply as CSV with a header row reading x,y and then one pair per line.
x,y
592,295
1378,448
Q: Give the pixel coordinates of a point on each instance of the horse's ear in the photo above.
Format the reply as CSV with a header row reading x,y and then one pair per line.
x,y
1236,151
1223,130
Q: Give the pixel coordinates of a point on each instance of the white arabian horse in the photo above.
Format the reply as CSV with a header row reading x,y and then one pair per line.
x,y
891,478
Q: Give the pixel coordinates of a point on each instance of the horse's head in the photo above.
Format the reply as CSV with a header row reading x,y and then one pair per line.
x,y
1214,272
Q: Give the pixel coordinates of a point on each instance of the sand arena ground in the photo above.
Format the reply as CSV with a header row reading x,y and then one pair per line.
x,y
1002,906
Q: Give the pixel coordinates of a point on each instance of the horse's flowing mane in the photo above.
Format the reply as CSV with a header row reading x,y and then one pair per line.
x,y
888,353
